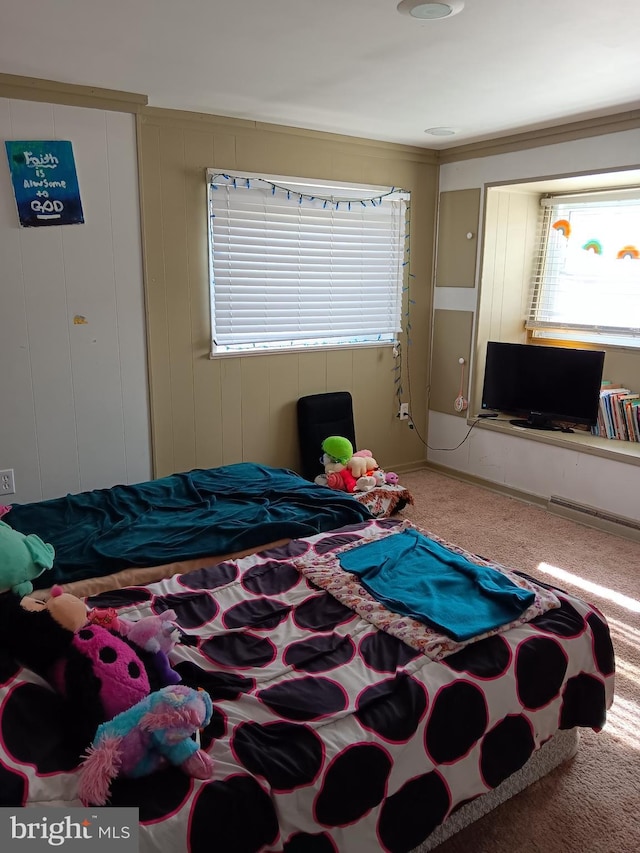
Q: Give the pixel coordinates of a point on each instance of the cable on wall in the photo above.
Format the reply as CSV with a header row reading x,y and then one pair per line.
x,y
460,403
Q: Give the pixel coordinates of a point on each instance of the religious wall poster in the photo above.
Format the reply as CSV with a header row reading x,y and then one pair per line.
x,y
45,182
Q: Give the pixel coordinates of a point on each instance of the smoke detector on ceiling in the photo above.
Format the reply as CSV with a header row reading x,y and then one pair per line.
x,y
426,10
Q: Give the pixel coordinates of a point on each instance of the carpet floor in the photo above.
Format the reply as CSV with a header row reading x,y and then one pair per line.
x,y
591,804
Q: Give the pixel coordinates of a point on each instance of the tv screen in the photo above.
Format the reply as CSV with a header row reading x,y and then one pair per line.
x,y
543,384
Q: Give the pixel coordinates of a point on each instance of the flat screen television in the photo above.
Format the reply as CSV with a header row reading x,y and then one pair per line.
x,y
548,387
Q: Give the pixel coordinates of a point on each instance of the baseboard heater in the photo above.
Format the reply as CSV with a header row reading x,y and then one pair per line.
x,y
555,501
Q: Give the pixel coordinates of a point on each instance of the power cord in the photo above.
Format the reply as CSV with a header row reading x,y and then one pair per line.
x,y
428,446
412,425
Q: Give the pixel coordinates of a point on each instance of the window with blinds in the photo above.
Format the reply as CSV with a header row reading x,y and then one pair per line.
x,y
586,283
297,264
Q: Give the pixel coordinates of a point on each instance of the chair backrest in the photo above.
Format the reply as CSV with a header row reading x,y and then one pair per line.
x,y
319,416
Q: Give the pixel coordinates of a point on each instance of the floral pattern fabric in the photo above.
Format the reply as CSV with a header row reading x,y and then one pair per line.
x,y
326,572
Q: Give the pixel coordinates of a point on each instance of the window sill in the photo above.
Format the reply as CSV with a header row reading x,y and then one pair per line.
x,y
619,451
297,350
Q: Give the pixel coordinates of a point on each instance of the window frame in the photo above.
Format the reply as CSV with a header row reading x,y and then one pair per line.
x,y
553,266
314,199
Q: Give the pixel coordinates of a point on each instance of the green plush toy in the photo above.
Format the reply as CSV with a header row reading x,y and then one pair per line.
x,y
338,448
22,558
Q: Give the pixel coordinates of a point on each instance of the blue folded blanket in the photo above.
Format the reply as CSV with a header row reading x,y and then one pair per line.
x,y
411,574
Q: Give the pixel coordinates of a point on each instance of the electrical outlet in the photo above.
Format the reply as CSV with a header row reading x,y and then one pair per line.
x,y
403,412
7,482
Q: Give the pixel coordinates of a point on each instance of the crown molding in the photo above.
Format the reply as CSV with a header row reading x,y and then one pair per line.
x,y
52,92
616,123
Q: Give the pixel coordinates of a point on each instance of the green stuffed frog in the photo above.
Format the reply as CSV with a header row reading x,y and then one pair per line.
x,y
22,558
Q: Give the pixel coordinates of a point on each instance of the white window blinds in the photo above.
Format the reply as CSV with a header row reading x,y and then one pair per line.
x,y
296,264
586,284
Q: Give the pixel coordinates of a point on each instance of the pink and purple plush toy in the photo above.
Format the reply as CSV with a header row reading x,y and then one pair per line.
x,y
155,732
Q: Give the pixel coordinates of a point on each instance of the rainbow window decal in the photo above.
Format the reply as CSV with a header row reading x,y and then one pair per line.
x,y
594,246
563,226
628,252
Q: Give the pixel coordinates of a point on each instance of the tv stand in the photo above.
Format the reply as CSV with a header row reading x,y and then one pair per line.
x,y
538,422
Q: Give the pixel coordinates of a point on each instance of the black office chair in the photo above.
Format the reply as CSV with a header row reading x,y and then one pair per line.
x,y
319,416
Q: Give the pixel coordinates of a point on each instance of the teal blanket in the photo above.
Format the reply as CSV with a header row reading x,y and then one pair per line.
x,y
411,574
200,513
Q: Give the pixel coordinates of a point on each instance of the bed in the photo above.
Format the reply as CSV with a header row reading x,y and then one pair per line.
x,y
163,525
338,724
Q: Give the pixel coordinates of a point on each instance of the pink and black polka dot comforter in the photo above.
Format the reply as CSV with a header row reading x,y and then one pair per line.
x,y
329,735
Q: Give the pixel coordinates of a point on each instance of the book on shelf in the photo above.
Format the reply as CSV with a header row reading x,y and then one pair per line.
x,y
610,398
625,431
608,422
632,414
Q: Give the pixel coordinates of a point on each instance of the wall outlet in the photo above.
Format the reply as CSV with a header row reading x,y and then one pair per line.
x,y
7,482
403,412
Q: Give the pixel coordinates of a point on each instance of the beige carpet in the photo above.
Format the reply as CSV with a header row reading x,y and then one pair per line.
x,y
592,803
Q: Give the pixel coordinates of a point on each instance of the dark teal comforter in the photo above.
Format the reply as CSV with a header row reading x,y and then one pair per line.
x,y
200,513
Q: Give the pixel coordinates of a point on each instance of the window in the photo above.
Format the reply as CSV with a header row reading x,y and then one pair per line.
x,y
297,263
586,284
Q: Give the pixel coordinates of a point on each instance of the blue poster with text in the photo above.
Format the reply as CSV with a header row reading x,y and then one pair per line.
x,y
45,182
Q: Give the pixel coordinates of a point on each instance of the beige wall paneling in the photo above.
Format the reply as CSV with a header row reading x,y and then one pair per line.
x,y
79,415
224,151
231,411
256,392
452,332
367,370
275,153
158,342
282,438
199,148
223,410
178,294
458,216
621,365
339,374
418,305
312,373
510,229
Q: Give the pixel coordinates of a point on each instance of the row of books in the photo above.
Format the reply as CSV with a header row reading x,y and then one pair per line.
x,y
618,413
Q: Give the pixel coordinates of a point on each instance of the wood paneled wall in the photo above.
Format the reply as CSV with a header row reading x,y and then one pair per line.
x,y
208,412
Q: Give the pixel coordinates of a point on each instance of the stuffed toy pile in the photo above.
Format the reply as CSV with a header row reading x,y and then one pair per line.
x,y
349,471
122,694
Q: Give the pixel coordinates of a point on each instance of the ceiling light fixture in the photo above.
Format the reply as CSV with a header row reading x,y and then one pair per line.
x,y
440,131
430,11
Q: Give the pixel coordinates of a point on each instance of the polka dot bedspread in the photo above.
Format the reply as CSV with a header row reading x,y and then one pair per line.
x,y
328,734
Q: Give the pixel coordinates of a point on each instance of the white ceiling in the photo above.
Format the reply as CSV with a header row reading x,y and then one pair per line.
x,y
356,67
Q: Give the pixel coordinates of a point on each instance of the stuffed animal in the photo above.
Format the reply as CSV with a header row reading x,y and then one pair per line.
x,y
345,470
338,476
91,661
338,449
342,480
156,731
362,464
22,558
